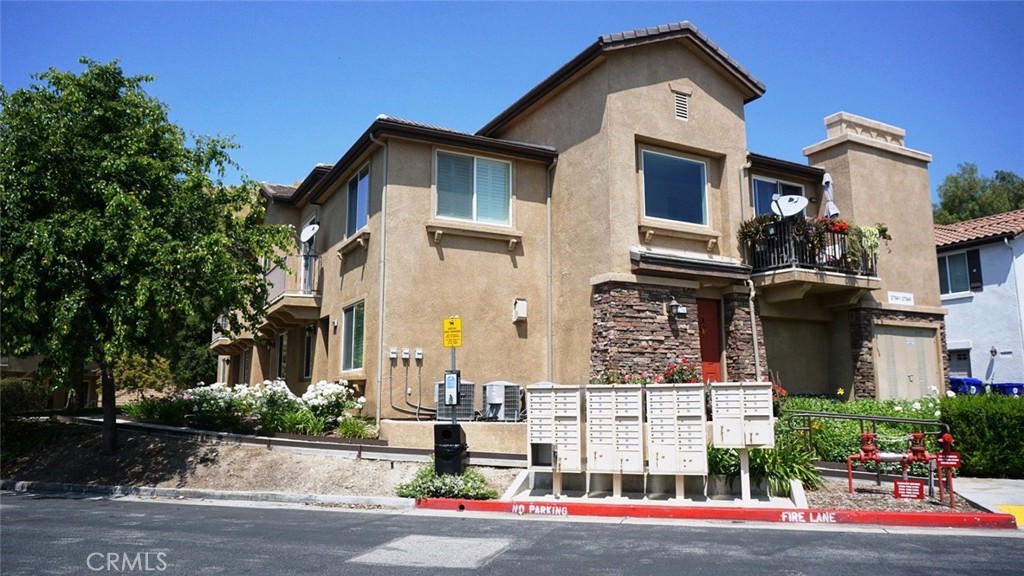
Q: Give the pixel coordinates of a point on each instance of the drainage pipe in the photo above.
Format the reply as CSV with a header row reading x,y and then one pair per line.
x,y
383,260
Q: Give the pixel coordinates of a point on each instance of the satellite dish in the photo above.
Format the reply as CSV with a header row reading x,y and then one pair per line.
x,y
310,231
786,206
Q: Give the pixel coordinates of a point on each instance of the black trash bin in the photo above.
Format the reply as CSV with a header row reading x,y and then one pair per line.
x,y
449,449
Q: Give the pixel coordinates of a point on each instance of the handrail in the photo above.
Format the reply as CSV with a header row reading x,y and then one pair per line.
x,y
807,416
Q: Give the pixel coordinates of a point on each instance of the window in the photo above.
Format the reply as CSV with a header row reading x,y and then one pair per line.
x,y
282,356
246,365
471,188
358,201
307,353
765,190
352,342
960,272
674,187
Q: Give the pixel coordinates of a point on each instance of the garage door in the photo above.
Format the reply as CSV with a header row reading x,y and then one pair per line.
x,y
907,361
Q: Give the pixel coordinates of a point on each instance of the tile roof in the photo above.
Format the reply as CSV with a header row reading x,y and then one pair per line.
x,y
1007,224
278,190
680,30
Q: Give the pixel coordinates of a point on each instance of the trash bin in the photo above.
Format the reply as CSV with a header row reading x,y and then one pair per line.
x,y
1008,388
964,385
449,449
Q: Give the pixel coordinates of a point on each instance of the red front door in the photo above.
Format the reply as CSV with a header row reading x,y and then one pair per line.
x,y
710,340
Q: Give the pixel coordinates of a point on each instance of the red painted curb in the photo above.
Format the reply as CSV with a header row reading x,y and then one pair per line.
x,y
784,515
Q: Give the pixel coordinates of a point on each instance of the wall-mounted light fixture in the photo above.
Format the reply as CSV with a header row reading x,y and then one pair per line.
x,y
674,309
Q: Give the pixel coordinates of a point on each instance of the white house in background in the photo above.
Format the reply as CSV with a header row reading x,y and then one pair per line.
x,y
981,281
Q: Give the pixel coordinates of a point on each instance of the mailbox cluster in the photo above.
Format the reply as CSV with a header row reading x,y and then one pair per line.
x,y
659,429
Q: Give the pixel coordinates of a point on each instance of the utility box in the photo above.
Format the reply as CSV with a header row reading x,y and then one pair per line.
x,y
554,427
741,415
676,429
615,439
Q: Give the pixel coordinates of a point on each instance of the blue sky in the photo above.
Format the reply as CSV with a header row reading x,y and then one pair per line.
x,y
297,82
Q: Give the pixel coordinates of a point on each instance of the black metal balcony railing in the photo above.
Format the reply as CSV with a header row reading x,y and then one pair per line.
x,y
788,244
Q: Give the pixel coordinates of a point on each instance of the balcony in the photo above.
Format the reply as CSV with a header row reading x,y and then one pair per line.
x,y
293,299
293,295
795,257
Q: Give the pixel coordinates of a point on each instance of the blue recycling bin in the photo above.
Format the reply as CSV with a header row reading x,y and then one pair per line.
x,y
1008,388
964,385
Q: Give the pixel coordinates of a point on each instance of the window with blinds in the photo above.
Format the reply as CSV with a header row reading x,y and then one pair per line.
x,y
473,188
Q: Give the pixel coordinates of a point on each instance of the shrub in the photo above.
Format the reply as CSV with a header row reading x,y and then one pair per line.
x,y
988,432
723,461
787,461
833,440
18,396
167,410
355,427
470,485
302,421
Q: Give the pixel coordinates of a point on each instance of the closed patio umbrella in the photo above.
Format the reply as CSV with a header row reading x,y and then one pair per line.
x,y
831,210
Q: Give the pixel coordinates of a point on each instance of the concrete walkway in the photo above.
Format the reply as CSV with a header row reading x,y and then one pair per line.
x,y
994,495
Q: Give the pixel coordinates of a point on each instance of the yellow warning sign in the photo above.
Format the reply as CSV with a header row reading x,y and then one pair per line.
x,y
451,330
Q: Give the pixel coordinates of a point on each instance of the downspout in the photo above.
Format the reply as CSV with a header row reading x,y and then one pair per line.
x,y
750,283
383,261
549,353
1016,288
753,332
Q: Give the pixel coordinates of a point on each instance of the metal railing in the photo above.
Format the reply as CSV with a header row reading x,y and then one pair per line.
x,y
787,244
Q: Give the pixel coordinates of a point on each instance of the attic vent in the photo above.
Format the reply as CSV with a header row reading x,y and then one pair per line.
x,y
682,106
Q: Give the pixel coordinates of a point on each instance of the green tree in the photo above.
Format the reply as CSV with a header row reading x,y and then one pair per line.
x,y
967,195
117,228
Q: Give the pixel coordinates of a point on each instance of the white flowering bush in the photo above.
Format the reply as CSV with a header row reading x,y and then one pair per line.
x,y
331,400
271,404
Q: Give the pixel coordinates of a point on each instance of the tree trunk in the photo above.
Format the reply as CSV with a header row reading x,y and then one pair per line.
x,y
109,410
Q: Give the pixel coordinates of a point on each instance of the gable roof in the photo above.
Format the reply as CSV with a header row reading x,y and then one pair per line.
x,y
678,31
980,230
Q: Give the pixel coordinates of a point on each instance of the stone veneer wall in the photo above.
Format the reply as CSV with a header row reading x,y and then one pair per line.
x,y
739,342
631,332
862,344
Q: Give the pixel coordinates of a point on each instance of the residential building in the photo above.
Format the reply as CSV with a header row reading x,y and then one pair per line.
x,y
594,226
981,272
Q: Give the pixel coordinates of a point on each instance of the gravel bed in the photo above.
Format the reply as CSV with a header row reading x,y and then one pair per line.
x,y
867,495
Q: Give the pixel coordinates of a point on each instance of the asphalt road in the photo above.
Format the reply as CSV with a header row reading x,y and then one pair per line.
x,y
56,535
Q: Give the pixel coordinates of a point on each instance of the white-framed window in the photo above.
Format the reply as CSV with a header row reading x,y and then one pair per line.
x,y
960,272
282,356
307,352
358,201
674,186
352,337
473,188
766,189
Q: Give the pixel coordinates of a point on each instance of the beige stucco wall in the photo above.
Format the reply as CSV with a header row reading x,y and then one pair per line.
x,y
878,179
597,124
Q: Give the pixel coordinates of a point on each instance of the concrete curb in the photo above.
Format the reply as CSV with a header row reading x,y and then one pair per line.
x,y
567,509
543,507
196,494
